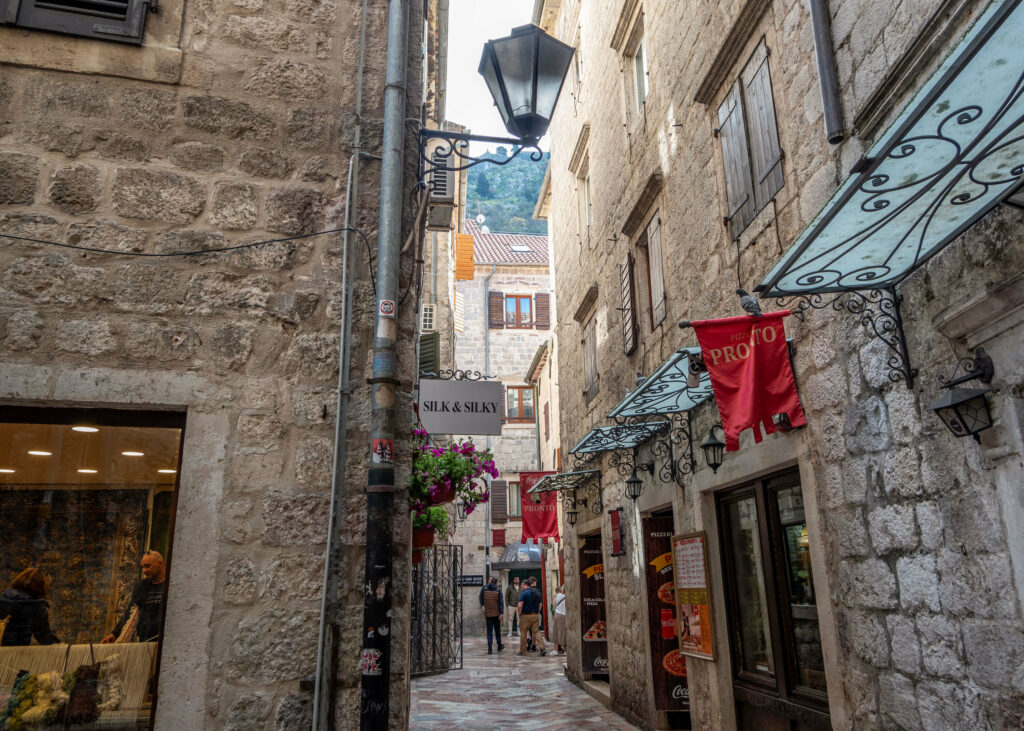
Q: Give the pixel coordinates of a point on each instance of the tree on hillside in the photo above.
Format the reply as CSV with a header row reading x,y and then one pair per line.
x,y
483,187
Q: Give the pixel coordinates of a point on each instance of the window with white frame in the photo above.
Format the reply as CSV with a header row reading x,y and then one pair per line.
x,y
515,505
640,75
650,244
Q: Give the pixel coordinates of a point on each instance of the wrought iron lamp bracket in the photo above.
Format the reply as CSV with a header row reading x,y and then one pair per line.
x,y
453,153
878,311
584,460
979,367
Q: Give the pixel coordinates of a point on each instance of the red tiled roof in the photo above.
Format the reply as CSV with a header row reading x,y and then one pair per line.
x,y
495,248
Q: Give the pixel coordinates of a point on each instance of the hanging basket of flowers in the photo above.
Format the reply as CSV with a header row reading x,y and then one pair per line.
x,y
426,525
455,469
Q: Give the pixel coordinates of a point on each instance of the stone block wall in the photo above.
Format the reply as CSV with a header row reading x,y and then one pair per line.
x,y
917,528
247,138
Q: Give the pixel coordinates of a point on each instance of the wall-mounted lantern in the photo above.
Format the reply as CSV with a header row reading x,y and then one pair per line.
x,y
714,449
965,411
634,485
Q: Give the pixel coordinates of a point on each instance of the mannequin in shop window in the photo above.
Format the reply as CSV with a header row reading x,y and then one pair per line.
x,y
145,612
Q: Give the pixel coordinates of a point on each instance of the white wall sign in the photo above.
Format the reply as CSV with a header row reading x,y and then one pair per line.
x,y
460,407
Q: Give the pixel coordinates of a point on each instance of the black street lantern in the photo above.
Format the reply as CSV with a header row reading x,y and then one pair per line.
x,y
524,74
964,411
714,449
571,514
634,485
461,507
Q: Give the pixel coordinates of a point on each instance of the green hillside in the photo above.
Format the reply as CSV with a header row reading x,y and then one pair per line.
x,y
507,194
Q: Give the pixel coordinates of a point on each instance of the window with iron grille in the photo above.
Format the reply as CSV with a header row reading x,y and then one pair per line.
x,y
751,154
519,400
123,21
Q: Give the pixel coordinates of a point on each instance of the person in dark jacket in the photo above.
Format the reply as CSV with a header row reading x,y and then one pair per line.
x,y
493,605
147,600
24,606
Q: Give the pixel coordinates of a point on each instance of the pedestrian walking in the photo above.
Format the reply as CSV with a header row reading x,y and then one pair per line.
x,y
494,610
511,599
529,617
558,628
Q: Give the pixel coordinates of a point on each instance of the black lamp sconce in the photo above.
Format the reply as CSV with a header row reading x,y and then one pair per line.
x,y
714,448
634,485
965,411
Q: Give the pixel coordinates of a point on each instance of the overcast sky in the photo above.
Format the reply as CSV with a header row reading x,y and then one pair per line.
x,y
471,23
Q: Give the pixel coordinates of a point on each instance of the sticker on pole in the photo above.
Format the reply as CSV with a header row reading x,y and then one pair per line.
x,y
383,451
369,662
387,308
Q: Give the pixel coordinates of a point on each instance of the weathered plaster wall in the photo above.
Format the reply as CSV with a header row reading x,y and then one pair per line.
x,y
249,141
917,529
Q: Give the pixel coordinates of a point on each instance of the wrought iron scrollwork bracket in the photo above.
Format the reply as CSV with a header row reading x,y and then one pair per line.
x,y
449,374
452,155
588,497
878,311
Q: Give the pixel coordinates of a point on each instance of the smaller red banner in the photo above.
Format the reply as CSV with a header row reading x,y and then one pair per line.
x,y
748,362
540,519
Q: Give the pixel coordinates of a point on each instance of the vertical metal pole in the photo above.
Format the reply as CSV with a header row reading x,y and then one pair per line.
x,y
375,659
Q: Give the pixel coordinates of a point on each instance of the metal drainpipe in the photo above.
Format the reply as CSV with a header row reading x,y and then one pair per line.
x,y
487,369
824,51
326,653
375,659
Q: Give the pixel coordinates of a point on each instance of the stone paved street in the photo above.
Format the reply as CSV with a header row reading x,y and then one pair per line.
x,y
493,691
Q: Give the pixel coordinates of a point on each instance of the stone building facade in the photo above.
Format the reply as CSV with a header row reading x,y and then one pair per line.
x,y
506,266
913,534
231,123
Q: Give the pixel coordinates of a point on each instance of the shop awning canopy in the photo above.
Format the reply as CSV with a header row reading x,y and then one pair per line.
x,y
665,391
519,556
564,481
955,152
610,438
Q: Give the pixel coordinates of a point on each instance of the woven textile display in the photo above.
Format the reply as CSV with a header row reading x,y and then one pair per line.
x,y
88,542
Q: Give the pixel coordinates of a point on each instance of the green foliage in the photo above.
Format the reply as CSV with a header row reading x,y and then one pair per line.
x,y
435,516
507,194
456,465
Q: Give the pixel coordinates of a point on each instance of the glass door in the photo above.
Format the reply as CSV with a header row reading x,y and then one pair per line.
x,y
775,642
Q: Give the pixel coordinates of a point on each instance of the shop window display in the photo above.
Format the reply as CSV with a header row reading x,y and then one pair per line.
x,y
87,502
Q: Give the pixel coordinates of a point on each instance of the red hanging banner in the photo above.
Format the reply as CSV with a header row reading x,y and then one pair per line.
x,y
750,373
540,519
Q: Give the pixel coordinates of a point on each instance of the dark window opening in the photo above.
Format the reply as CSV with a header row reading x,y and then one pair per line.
x,y
123,21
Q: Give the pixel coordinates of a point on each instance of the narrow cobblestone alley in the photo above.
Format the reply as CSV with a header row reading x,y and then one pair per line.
x,y
507,691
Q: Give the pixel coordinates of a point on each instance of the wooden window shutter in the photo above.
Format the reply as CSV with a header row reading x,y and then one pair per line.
x,y
495,310
547,421
736,160
459,315
765,153
430,353
558,459
628,308
123,21
656,265
499,501
542,311
591,379
464,256
498,537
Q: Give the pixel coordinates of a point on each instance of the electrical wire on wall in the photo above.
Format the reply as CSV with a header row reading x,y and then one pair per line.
x,y
196,252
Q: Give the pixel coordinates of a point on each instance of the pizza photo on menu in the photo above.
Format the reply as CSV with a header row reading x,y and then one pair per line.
x,y
675,663
596,632
667,593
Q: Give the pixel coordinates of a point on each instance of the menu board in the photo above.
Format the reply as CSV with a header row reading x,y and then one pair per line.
x,y
592,615
693,598
668,666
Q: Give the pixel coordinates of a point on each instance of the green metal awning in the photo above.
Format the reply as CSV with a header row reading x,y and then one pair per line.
x,y
665,391
564,481
611,438
954,153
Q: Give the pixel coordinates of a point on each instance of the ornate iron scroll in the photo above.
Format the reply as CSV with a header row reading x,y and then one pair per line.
x,y
449,374
877,309
453,153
